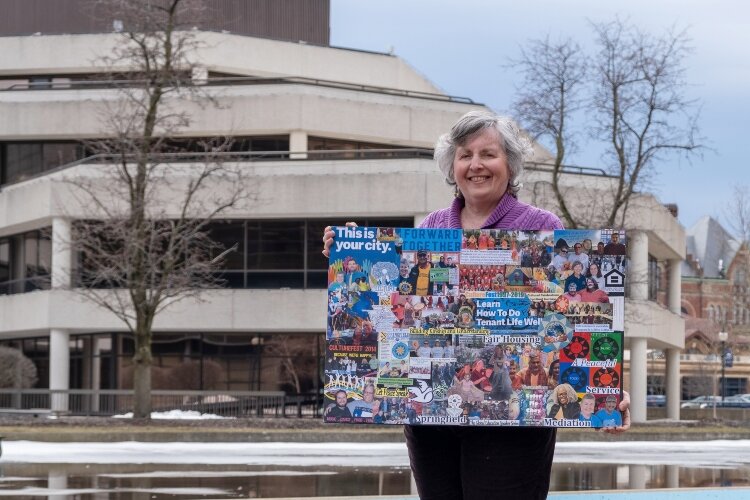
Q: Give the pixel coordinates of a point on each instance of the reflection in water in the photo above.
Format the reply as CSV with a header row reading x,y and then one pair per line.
x,y
571,477
120,482
104,481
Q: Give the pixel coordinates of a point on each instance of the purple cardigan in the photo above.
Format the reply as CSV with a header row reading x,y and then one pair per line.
x,y
508,214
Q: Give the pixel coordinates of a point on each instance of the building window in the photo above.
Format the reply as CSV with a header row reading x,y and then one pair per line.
x,y
347,148
654,277
25,262
23,160
279,253
735,385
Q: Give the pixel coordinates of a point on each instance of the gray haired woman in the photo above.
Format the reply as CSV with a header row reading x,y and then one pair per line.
x,y
482,156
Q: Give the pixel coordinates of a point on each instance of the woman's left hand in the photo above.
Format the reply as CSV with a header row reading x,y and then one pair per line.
x,y
625,409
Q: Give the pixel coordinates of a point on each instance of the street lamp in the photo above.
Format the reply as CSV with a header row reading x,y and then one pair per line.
x,y
723,339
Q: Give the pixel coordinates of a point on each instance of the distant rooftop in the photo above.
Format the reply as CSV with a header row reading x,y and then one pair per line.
x,y
710,246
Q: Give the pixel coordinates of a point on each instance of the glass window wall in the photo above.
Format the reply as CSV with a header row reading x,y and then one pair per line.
x,y
25,262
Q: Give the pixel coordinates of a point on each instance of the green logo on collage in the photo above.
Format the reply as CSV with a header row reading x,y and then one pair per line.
x,y
606,346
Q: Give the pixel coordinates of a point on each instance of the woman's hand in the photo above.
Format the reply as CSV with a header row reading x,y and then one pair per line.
x,y
328,235
625,409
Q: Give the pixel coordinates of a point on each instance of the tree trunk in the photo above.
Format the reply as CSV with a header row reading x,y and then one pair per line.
x,y
142,384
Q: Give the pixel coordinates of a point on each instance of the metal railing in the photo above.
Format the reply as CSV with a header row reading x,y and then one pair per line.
x,y
25,285
237,80
108,402
567,169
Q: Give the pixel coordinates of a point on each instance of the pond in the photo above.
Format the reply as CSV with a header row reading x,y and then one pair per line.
x,y
129,470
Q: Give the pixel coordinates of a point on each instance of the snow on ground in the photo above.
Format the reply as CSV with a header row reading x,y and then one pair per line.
x,y
176,415
721,454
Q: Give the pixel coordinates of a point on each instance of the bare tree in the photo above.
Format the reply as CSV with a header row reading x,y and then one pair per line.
x,y
635,103
640,104
738,213
298,358
547,98
146,244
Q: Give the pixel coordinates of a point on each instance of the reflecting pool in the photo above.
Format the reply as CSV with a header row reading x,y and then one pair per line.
x,y
88,471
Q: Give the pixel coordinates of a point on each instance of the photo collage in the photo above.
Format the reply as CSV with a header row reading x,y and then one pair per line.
x,y
475,327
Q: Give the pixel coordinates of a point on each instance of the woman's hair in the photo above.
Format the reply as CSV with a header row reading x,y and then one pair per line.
x,y
552,365
593,281
568,389
517,147
598,270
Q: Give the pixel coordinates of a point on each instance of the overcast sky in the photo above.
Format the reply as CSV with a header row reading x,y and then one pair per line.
x,y
463,46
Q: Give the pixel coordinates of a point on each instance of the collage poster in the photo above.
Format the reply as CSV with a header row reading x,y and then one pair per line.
x,y
475,327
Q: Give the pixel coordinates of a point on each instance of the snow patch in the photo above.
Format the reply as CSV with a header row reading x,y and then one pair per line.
x,y
177,415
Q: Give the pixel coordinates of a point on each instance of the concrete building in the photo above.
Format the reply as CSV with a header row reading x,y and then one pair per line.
x,y
352,133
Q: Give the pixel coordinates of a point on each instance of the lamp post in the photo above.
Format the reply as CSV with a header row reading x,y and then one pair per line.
x,y
723,339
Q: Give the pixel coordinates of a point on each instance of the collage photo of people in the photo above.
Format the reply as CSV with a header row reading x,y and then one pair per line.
x,y
475,327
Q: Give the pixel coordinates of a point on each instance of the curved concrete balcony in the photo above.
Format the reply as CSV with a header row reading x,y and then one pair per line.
x,y
647,319
288,188
36,313
258,107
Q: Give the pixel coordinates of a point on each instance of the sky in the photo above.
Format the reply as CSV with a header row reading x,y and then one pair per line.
x,y
464,47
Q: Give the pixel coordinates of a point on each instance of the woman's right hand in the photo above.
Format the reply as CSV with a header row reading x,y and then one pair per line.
x,y
328,235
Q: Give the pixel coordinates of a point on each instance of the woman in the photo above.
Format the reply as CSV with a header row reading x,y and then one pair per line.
x,y
564,403
596,273
592,292
482,156
553,374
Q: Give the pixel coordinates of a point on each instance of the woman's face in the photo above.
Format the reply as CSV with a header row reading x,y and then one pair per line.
x,y
480,168
594,269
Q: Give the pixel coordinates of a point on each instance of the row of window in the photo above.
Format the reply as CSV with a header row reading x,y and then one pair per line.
x,y
23,160
266,254
719,313
190,361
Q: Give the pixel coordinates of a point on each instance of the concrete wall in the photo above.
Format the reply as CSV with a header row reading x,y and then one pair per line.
x,y
398,187
241,55
242,110
648,319
35,313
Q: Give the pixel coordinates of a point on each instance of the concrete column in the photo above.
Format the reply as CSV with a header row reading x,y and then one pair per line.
x,y
675,286
673,476
62,256
638,265
298,144
674,391
57,483
92,369
638,379
59,367
637,477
